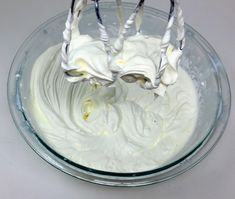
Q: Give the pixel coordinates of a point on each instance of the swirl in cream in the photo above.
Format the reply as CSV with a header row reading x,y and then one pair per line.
x,y
121,128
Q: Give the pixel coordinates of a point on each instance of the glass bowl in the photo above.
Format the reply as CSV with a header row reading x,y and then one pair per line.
x,y
199,60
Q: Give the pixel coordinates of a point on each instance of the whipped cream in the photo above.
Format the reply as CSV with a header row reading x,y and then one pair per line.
x,y
135,63
120,128
137,59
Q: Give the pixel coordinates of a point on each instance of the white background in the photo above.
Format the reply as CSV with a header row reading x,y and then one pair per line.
x,y
24,175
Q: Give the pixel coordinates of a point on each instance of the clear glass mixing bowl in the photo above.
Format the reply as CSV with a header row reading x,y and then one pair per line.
x,y
199,60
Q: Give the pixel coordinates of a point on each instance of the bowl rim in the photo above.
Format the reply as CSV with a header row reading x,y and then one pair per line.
x,y
123,179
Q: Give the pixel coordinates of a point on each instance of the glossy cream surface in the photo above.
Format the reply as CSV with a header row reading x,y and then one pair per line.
x,y
121,128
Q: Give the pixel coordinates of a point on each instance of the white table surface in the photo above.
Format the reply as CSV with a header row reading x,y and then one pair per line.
x,y
23,174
